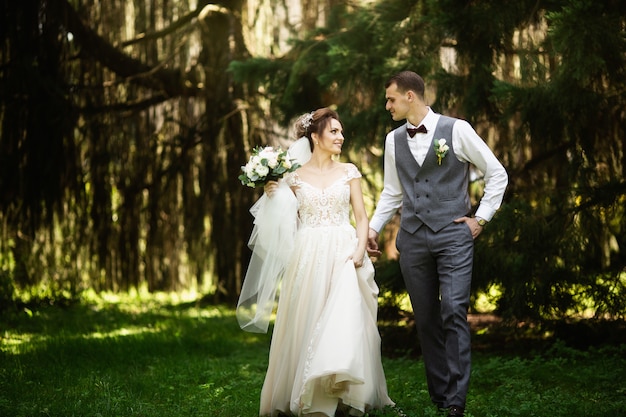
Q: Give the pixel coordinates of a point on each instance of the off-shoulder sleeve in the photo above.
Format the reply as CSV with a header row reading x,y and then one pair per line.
x,y
292,179
352,172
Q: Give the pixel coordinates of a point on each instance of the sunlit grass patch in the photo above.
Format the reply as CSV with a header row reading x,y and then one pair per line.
x,y
125,355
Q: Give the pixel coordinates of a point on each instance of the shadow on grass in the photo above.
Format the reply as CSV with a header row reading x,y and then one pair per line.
x,y
142,358
149,357
491,334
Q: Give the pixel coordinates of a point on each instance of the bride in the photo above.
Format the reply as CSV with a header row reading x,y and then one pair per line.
x,y
325,350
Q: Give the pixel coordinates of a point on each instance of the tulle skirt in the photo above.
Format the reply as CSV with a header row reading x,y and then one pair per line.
x,y
325,349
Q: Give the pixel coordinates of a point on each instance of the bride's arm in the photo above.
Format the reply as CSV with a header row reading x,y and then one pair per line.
x,y
362,222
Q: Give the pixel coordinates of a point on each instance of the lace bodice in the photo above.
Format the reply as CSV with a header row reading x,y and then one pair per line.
x,y
324,207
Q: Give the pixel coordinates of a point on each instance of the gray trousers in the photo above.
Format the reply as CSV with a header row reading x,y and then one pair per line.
x,y
437,271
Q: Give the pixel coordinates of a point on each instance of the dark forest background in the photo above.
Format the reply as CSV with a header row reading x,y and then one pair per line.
x,y
124,124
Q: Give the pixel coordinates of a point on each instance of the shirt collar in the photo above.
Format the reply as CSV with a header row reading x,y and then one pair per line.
x,y
429,121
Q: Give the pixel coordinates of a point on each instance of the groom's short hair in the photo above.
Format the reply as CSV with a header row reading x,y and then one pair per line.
x,y
408,80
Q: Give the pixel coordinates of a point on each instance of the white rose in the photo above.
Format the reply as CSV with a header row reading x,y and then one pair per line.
x,y
250,170
256,160
266,152
262,170
270,155
272,160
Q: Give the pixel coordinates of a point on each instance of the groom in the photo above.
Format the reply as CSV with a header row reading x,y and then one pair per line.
x,y
429,178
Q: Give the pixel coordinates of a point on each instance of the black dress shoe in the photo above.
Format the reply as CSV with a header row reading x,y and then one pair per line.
x,y
456,411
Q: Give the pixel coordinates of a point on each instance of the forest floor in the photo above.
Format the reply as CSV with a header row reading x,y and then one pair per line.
x,y
491,333
160,357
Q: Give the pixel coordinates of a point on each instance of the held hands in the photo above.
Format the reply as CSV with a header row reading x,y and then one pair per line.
x,y
472,223
372,244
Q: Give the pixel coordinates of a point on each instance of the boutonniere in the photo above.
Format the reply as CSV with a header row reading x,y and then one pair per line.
x,y
441,149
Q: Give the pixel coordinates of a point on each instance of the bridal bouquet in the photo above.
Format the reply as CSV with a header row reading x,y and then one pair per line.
x,y
266,164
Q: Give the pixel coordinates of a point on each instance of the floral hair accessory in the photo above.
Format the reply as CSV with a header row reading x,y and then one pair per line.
x,y
307,119
441,149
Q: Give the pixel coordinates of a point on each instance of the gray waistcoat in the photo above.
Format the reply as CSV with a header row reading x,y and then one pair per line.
x,y
434,194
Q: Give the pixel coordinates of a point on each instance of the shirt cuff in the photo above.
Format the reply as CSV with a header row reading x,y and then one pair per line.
x,y
377,224
485,212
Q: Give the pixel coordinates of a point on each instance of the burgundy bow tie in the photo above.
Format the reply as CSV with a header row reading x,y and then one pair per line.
x,y
413,131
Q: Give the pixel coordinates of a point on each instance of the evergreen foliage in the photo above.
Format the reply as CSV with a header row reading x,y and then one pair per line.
x,y
120,150
544,83
120,146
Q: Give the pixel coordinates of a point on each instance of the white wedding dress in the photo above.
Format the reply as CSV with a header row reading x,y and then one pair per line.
x,y
325,348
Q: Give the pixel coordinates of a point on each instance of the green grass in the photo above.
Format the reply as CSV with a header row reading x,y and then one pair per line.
x,y
151,356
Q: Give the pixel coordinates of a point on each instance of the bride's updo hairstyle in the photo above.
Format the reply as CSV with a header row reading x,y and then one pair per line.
x,y
314,122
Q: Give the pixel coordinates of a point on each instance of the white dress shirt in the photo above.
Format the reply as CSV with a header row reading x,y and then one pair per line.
x,y
468,147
